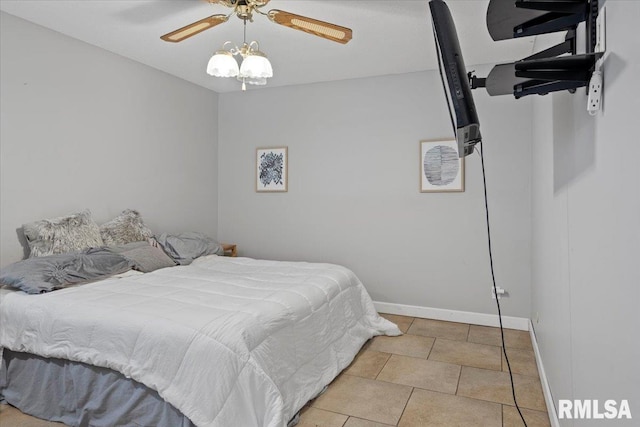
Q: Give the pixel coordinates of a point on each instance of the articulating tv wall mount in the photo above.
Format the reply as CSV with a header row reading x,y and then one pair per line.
x,y
545,71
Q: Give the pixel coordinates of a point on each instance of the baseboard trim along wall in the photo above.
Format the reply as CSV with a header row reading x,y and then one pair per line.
x,y
546,390
482,319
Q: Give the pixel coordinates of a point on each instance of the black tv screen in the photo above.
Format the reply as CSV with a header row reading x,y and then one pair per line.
x,y
456,86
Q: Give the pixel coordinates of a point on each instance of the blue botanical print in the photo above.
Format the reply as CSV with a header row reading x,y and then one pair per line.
x,y
271,165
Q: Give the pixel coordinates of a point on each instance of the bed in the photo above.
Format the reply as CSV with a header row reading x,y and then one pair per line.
x,y
221,342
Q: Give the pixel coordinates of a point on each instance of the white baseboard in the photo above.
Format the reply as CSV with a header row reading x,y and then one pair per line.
x,y
482,319
546,390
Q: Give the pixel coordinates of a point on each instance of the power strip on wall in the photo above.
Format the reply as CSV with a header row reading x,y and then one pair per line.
x,y
594,100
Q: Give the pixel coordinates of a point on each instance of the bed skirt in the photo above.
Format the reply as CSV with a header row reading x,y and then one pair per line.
x,y
78,394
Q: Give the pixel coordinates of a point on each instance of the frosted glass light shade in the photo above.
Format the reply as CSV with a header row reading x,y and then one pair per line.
x,y
222,64
256,66
257,82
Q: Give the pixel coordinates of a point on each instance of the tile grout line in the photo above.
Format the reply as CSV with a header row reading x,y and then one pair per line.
x,y
433,344
329,410
413,319
458,383
405,405
477,399
383,366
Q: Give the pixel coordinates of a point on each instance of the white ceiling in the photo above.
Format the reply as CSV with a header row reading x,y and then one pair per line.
x,y
389,37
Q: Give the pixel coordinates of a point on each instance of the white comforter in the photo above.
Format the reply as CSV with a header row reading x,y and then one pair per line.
x,y
227,341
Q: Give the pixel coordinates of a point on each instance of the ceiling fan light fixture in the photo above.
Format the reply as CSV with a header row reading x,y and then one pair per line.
x,y
247,63
222,64
255,65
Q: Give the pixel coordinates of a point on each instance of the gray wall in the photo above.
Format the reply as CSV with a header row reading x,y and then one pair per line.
x,y
354,195
84,128
586,230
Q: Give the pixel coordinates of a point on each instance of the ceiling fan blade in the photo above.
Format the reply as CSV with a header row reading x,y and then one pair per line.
x,y
233,3
194,28
318,28
228,3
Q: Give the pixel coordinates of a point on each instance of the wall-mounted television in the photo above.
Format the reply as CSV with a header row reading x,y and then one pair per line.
x,y
454,79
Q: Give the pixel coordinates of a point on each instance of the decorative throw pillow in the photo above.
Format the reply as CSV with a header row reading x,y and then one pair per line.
x,y
125,228
63,234
146,258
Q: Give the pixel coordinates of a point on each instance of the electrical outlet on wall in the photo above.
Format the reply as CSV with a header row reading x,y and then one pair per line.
x,y
501,292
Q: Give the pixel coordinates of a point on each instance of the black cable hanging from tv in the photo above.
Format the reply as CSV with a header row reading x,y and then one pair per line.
x,y
495,289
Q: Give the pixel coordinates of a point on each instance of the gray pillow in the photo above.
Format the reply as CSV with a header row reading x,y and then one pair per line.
x,y
127,246
185,247
47,273
125,228
146,258
69,233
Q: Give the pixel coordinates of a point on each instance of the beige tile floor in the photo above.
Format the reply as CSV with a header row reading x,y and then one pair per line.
x,y
437,374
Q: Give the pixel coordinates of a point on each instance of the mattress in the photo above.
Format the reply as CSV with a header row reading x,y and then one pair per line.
x,y
226,341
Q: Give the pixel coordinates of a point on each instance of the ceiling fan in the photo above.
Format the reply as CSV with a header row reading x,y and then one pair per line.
x,y
244,10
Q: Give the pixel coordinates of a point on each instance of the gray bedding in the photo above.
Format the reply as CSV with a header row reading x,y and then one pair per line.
x,y
183,248
47,273
78,394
